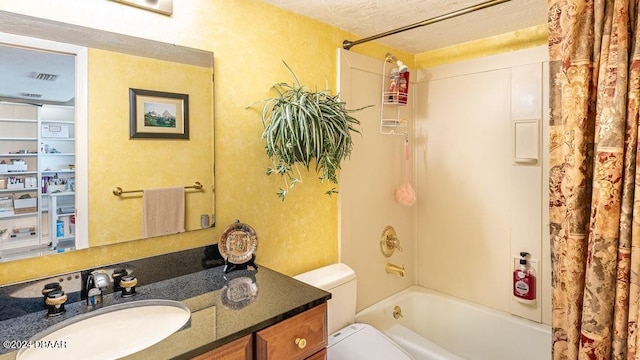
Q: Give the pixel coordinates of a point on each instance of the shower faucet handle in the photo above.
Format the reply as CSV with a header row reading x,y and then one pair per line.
x,y
393,243
389,241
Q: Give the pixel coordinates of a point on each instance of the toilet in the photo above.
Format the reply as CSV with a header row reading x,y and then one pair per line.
x,y
349,340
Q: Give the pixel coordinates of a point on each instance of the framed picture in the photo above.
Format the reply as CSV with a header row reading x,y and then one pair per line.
x,y
158,115
161,6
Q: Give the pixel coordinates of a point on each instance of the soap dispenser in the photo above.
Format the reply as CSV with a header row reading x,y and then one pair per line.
x,y
524,279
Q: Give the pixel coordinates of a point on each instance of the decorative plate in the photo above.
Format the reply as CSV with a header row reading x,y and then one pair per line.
x,y
238,243
239,292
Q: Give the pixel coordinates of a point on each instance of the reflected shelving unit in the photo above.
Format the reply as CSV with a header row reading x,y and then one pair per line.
x,y
37,166
62,213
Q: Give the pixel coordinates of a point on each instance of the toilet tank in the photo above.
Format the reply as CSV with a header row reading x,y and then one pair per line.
x,y
340,280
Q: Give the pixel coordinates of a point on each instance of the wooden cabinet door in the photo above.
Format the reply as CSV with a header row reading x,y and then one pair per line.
x,y
320,355
241,349
295,338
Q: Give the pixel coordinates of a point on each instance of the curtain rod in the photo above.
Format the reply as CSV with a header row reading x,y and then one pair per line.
x,y
347,44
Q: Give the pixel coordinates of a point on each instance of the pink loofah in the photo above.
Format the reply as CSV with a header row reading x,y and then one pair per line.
x,y
404,193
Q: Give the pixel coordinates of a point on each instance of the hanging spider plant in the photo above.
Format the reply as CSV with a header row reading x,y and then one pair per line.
x,y
302,126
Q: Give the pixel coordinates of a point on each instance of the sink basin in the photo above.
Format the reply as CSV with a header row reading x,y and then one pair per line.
x,y
109,333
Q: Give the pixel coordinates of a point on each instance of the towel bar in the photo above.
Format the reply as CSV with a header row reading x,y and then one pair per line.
x,y
118,190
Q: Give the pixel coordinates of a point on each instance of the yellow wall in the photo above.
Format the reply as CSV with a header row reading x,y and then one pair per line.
x,y
249,40
516,40
115,160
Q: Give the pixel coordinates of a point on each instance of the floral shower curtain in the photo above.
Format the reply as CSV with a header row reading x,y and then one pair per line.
x,y
594,181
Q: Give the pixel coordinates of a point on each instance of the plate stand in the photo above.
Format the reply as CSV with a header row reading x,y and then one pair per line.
x,y
228,267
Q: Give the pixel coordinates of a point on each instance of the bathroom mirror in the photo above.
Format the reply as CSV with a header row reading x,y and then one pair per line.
x,y
107,66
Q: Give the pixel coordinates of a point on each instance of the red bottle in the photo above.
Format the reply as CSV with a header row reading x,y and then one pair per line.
x,y
403,87
524,280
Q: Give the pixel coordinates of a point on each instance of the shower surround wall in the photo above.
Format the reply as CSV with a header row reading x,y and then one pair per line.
x,y
476,207
367,184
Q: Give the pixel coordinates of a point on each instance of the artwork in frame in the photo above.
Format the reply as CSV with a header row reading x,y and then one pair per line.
x,y
160,6
158,115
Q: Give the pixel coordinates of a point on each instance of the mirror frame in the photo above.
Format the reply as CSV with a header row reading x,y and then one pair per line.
x,y
23,25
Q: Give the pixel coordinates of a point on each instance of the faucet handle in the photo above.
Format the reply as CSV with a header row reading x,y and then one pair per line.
x,y
394,243
128,284
389,241
55,302
117,277
48,288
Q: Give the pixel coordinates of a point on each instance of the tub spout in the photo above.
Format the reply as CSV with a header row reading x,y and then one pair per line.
x,y
395,269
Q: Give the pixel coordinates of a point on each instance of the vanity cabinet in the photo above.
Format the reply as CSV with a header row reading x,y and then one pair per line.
x,y
37,159
320,355
241,349
301,337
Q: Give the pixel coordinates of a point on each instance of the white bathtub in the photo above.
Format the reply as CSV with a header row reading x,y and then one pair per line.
x,y
435,326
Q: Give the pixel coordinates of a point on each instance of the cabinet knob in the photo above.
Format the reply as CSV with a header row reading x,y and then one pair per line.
x,y
301,342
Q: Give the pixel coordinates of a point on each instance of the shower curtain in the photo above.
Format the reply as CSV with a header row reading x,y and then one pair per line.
x,y
594,195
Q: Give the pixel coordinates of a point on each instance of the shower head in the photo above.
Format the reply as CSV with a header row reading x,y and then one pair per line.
x,y
390,58
402,68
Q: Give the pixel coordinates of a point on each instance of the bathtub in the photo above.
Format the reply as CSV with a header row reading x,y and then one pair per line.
x,y
435,326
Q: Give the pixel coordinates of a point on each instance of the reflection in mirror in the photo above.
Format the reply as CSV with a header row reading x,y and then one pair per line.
x,y
51,137
145,163
37,152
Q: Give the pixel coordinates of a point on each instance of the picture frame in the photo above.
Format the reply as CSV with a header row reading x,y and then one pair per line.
x,y
158,115
164,7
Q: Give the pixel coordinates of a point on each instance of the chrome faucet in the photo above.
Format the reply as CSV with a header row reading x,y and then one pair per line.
x,y
97,281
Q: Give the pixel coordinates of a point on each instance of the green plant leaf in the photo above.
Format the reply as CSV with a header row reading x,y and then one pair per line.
x,y
303,125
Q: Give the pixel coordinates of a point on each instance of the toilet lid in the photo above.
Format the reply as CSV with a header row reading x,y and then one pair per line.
x,y
363,341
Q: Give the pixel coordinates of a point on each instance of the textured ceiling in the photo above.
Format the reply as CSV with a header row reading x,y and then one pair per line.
x,y
363,18
366,18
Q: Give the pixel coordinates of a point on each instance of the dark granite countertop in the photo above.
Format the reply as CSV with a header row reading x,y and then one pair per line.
x,y
224,307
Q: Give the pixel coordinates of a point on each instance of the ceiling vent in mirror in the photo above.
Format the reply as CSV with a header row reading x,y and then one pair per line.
x,y
31,95
44,77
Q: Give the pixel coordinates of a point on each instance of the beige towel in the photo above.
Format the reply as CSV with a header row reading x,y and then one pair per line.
x,y
162,211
